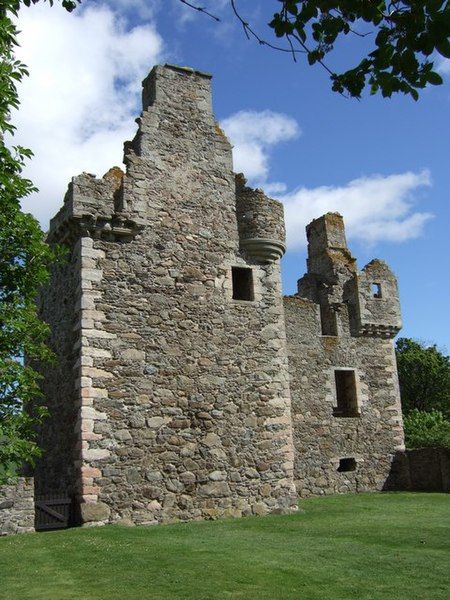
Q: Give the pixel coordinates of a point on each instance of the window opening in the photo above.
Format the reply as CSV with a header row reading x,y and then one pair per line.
x,y
376,290
328,321
242,284
347,464
347,402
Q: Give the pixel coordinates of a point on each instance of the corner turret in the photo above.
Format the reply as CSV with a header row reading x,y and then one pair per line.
x,y
260,219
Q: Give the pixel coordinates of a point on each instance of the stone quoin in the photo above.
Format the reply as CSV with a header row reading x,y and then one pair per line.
x,y
186,386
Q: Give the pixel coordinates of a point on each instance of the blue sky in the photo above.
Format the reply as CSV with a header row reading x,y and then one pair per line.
x,y
382,163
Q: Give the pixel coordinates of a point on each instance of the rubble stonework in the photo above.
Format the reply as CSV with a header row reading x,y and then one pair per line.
x,y
172,398
343,320
181,391
17,507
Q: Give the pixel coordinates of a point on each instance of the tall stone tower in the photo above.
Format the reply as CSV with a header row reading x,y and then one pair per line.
x,y
345,398
170,398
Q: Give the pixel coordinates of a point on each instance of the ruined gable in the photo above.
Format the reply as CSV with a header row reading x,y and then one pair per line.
x,y
179,385
171,398
344,387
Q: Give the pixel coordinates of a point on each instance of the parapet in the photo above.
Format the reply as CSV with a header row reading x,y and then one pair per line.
x,y
92,205
261,223
176,131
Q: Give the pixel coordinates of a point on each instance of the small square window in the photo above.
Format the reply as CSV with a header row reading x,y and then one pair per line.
x,y
242,284
347,464
346,397
376,290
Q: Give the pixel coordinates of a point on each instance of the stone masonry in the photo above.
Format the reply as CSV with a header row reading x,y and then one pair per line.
x,y
171,398
17,507
175,395
345,398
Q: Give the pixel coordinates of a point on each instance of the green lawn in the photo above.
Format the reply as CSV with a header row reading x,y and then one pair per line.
x,y
393,546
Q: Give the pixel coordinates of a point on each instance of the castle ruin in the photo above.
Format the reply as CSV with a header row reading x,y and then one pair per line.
x,y
186,386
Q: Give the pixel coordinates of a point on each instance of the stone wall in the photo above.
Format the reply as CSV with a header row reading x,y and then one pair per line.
x,y
338,452
59,306
181,389
171,398
17,507
423,470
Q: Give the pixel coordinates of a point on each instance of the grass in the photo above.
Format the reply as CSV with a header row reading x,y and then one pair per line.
x,y
369,546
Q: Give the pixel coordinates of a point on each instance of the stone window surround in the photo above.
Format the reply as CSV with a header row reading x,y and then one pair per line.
x,y
321,317
243,286
226,282
331,379
347,461
376,291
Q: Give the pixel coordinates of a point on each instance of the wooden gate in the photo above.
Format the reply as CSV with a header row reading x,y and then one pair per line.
x,y
52,511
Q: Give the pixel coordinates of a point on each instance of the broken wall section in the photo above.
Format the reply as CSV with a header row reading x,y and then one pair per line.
x,y
344,386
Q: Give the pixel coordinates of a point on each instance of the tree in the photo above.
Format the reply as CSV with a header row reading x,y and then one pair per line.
x,y
406,33
24,266
426,429
424,376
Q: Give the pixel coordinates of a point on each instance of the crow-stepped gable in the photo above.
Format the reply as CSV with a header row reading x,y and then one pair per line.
x,y
177,393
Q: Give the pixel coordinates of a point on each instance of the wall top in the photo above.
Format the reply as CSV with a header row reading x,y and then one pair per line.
x,y
187,70
327,231
179,87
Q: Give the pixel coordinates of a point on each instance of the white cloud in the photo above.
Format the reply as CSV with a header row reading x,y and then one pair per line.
x,y
276,187
253,134
79,103
443,65
375,208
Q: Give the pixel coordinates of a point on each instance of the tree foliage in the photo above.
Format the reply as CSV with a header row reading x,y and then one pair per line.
x,y
424,376
24,267
405,35
426,429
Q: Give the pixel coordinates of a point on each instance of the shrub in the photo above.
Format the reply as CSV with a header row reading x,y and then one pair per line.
x,y
426,429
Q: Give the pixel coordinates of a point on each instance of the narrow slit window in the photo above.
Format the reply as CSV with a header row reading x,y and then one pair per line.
x,y
346,397
347,464
242,284
376,290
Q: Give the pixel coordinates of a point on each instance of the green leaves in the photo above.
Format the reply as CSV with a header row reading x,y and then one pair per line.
x,y
25,260
69,5
434,78
426,429
443,47
424,375
407,33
